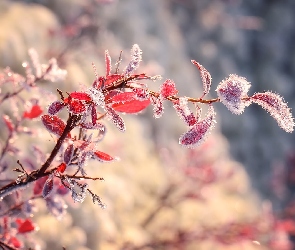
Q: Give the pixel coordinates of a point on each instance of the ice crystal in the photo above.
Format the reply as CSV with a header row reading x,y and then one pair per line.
x,y
277,108
231,92
135,59
199,131
97,97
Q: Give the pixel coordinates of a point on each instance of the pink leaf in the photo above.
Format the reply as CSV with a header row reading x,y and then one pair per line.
x,y
101,156
48,187
53,123
205,76
55,107
168,88
183,111
26,226
115,118
97,126
82,96
231,92
8,123
34,112
198,132
127,102
108,63
277,107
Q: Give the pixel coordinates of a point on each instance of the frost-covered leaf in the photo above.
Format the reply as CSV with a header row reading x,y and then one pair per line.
x,y
158,107
135,59
128,102
115,118
277,108
168,88
77,106
55,107
205,76
68,154
34,112
103,157
79,192
48,187
8,123
141,93
231,92
89,125
198,132
93,114
108,62
184,112
53,123
26,227
56,206
82,96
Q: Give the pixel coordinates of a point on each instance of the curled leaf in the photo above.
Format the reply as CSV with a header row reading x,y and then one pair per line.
x,y
205,76
277,108
183,111
198,132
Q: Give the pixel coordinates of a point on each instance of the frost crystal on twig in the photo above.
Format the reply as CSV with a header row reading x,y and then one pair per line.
x,y
231,92
277,108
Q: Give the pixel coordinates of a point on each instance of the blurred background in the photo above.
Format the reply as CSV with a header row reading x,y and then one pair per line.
x,y
253,165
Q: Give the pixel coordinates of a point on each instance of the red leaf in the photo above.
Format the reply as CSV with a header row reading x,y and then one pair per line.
x,y
26,226
113,79
8,123
183,111
62,167
77,107
93,114
168,88
115,118
55,107
53,123
35,111
205,76
80,96
39,184
101,156
128,103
